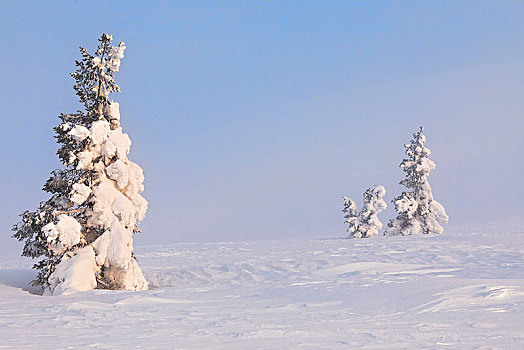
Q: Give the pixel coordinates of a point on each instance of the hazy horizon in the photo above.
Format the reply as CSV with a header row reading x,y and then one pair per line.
x,y
252,120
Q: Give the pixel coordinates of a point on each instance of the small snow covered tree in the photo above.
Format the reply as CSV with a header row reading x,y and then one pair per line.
x,y
350,209
366,224
84,231
417,211
373,204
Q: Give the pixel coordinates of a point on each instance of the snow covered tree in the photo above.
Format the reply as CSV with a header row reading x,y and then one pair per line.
x,y
373,204
84,232
417,211
350,209
366,224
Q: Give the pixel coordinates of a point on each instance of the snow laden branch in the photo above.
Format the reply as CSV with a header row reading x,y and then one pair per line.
x,y
417,211
366,224
84,232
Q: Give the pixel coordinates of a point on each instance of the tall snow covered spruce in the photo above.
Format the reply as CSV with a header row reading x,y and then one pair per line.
x,y
417,211
366,224
84,232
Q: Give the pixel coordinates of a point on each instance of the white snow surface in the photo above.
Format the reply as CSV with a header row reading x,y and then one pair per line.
x,y
405,292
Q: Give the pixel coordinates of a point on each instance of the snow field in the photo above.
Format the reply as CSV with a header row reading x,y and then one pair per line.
x,y
447,291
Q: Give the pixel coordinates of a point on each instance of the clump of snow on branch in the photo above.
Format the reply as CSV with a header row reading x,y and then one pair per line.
x,y
116,53
64,235
80,193
366,224
84,159
417,211
79,133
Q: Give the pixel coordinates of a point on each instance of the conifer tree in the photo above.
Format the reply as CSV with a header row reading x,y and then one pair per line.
x,y
373,204
350,209
417,211
83,233
366,224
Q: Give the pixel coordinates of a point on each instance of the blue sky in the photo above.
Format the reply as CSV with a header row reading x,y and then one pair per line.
x,y
252,119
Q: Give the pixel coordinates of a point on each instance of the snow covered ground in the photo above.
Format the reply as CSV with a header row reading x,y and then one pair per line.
x,y
443,292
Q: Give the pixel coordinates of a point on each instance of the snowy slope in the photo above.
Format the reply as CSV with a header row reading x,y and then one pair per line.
x,y
449,291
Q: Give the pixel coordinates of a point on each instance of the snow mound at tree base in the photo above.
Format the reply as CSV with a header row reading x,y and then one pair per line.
x,y
130,278
77,273
74,274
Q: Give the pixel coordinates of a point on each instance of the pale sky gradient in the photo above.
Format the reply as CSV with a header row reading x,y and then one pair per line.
x,y
252,119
